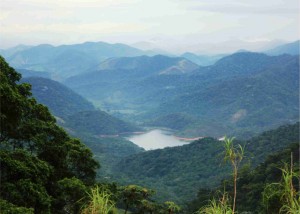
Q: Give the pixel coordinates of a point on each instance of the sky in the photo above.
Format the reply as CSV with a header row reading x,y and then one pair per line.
x,y
172,25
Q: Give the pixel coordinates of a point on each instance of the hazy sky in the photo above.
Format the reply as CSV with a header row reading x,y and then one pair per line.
x,y
166,23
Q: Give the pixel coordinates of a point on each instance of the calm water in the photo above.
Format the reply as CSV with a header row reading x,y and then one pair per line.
x,y
156,139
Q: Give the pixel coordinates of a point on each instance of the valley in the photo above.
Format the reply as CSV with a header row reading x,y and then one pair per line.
x,y
159,121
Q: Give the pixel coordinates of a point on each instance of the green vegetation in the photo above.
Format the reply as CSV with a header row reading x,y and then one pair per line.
x,y
177,173
97,129
100,202
217,207
284,191
176,121
42,168
60,100
97,123
256,185
241,95
234,155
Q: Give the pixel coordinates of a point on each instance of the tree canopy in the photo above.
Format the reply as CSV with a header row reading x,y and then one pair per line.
x,y
38,158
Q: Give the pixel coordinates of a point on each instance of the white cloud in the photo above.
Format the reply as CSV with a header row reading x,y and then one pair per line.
x,y
184,22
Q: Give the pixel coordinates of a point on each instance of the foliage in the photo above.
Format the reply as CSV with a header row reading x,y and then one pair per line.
x,y
9,208
172,207
217,207
234,155
60,100
176,121
134,196
36,155
71,195
252,182
283,191
177,173
98,123
100,202
174,172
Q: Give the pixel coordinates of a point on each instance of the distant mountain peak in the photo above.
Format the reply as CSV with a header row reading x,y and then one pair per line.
x,y
289,48
159,64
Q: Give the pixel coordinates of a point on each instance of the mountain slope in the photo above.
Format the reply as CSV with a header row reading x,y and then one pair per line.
x,y
178,172
61,100
98,123
82,120
250,100
202,60
126,82
68,60
290,48
28,73
145,64
241,94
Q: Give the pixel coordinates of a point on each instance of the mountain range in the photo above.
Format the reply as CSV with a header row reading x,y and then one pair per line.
x,y
66,60
240,94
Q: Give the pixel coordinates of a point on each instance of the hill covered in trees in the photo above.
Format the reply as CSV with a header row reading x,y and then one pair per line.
x,y
97,129
43,169
60,100
177,172
252,183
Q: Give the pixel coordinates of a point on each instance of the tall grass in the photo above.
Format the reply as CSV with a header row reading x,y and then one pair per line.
x,y
100,202
286,192
217,207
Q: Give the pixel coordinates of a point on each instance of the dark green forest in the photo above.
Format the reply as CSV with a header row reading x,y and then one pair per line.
x,y
43,169
178,172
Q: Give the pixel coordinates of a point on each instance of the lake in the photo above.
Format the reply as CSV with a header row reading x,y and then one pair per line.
x,y
156,139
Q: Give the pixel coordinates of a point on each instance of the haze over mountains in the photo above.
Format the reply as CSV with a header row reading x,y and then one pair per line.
x,y
68,60
239,94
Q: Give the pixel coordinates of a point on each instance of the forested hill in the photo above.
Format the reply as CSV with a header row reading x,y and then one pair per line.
x,y
61,100
97,129
43,169
178,172
252,183
242,94
77,114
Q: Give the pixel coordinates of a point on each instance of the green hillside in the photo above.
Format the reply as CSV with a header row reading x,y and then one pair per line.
x,y
178,172
43,169
242,105
97,129
251,183
61,100
241,94
98,123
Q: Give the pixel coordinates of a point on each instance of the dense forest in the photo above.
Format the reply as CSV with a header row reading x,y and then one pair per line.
x,y
178,172
43,169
